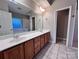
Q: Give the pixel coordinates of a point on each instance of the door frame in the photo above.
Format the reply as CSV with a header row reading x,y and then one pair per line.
x,y
69,19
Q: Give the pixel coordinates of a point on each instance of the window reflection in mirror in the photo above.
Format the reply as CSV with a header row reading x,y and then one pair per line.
x,y
20,23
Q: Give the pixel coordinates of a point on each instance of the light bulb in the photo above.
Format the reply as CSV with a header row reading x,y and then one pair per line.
x,y
42,9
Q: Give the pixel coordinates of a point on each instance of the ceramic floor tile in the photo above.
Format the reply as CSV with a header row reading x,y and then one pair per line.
x,y
62,57
57,51
72,56
61,54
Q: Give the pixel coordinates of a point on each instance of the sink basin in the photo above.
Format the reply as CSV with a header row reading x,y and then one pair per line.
x,y
17,39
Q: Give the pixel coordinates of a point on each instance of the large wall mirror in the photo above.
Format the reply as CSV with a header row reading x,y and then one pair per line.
x,y
19,19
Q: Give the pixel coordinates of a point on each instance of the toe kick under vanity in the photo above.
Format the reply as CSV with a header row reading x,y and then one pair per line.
x,y
24,48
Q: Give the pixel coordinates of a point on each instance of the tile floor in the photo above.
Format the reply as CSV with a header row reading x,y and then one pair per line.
x,y
57,51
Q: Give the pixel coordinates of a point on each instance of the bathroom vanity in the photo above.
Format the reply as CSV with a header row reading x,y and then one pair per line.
x,y
22,35
25,48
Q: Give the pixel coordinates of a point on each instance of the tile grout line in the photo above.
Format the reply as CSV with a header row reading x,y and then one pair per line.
x,y
58,52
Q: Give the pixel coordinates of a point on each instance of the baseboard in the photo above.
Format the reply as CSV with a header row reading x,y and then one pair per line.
x,y
61,38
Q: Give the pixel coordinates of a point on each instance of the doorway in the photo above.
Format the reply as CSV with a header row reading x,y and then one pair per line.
x,y
62,26
33,23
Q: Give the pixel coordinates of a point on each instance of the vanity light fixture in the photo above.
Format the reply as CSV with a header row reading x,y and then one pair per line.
x,y
42,9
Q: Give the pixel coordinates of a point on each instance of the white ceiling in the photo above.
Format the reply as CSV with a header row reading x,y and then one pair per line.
x,y
28,5
18,8
42,3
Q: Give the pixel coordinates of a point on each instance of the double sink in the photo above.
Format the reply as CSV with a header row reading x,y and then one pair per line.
x,y
28,36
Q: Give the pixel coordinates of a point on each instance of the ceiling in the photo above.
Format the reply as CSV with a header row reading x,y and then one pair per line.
x,y
50,1
18,8
42,3
25,6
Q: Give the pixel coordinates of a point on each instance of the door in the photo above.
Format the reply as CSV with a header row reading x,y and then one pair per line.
x,y
29,49
14,53
62,25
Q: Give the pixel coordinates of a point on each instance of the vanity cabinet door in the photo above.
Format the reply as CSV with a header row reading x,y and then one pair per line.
x,y
14,53
42,40
29,49
37,44
1,55
47,37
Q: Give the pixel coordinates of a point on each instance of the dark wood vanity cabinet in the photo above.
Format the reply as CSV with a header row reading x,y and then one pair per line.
x,y
29,49
37,45
14,53
42,41
26,50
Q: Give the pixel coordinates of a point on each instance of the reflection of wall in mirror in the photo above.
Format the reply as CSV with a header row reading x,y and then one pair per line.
x,y
26,23
5,23
38,22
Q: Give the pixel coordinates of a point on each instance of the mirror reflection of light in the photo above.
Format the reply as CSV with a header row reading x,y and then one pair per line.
x,y
42,9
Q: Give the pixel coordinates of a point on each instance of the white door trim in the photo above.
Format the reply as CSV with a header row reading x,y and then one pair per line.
x,y
69,19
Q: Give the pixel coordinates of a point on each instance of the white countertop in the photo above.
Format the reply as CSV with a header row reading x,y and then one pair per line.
x,y
11,41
